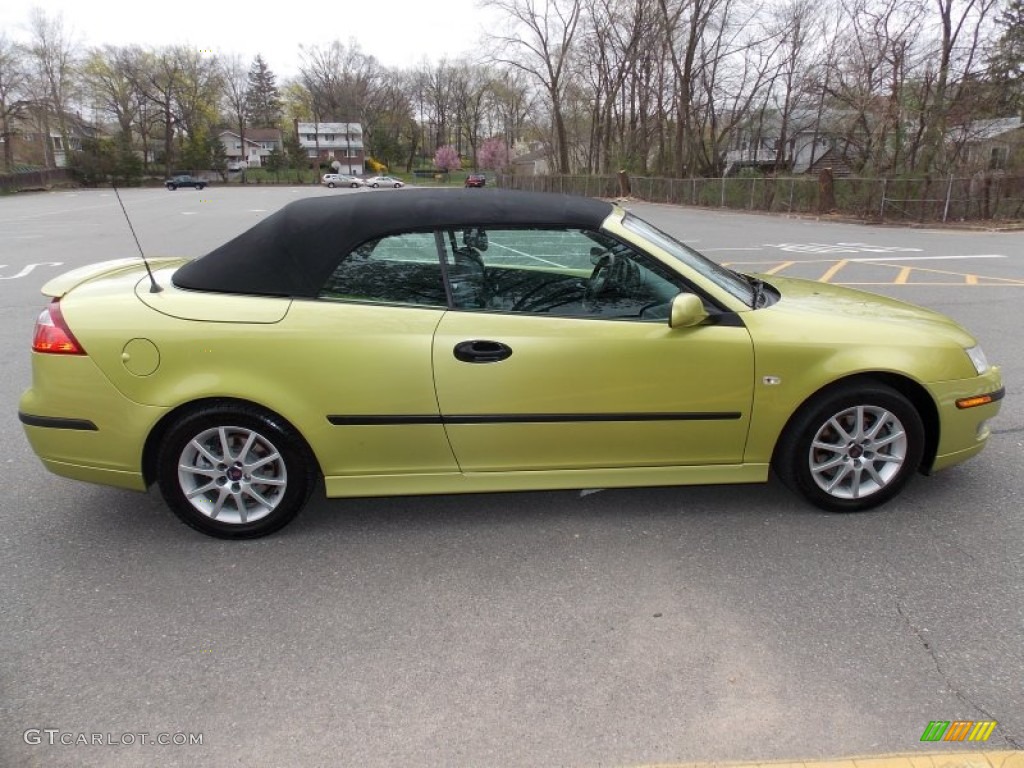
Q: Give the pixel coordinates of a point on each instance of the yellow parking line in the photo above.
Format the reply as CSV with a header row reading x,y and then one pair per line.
x,y
833,271
901,278
776,269
970,279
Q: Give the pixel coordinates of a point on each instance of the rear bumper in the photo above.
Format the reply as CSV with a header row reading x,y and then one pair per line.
x,y
81,426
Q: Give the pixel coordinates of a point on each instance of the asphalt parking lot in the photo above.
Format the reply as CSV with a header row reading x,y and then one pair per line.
x,y
610,628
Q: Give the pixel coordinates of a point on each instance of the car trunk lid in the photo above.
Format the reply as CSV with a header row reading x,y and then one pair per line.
x,y
63,284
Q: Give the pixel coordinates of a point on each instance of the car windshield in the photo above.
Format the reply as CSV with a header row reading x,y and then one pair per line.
x,y
726,279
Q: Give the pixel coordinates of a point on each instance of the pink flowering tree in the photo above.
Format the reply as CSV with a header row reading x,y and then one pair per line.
x,y
447,159
493,154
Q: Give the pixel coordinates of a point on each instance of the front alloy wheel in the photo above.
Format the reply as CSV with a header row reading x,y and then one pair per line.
x,y
235,472
852,449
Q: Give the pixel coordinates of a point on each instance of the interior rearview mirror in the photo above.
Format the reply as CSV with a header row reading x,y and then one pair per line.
x,y
687,311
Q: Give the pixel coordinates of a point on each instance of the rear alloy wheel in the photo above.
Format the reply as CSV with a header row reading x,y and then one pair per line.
x,y
330,185
853,448
235,472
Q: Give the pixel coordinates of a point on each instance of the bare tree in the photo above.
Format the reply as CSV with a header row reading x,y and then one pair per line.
x,y
13,85
53,60
107,78
540,44
508,104
963,25
235,78
470,86
437,89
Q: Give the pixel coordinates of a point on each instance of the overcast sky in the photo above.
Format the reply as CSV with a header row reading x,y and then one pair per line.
x,y
399,33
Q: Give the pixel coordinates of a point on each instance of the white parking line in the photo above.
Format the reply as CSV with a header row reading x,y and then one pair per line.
x,y
932,258
528,255
708,250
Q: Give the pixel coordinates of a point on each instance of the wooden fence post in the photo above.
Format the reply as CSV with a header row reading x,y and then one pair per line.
x,y
826,191
624,187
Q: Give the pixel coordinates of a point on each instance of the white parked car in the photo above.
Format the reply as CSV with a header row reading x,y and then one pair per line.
x,y
333,180
384,181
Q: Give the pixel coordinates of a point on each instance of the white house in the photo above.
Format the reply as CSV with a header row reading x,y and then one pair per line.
x,y
259,142
340,142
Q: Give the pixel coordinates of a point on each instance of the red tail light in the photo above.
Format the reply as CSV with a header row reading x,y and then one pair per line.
x,y
52,334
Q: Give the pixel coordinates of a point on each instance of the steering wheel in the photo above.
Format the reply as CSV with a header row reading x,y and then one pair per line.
x,y
598,280
611,271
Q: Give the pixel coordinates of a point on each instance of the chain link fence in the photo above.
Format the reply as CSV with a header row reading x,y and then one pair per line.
x,y
978,198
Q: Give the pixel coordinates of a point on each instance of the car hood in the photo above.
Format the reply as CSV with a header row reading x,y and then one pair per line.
x,y
835,308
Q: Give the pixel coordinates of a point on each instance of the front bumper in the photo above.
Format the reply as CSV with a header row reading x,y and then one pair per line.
x,y
963,432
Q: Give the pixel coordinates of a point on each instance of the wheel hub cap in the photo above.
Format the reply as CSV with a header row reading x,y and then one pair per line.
x,y
232,475
858,452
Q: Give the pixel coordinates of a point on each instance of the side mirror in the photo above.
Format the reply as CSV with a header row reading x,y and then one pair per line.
x,y
687,311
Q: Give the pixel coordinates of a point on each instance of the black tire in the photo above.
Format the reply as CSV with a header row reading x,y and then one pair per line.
x,y
200,187
353,185
375,186
227,499
858,469
330,185
172,187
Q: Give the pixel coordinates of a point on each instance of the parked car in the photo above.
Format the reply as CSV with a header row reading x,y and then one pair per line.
x,y
384,181
446,341
333,180
476,180
185,180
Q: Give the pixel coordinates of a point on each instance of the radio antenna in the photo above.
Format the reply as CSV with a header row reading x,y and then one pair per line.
x,y
153,287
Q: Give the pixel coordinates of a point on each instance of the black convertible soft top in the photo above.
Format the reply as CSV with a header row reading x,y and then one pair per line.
x,y
293,251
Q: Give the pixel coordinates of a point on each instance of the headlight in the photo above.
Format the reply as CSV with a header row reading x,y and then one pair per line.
x,y
978,358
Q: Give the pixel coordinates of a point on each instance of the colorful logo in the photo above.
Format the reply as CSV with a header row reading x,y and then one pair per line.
x,y
958,730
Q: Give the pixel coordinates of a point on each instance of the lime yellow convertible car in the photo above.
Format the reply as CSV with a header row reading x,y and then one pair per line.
x,y
453,341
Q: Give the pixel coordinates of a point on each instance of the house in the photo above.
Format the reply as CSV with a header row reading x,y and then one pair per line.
x,y
992,145
36,139
259,143
340,143
810,137
534,162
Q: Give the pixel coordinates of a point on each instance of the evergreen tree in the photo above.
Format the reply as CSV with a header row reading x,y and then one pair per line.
x,y
262,101
1007,60
294,153
218,156
275,161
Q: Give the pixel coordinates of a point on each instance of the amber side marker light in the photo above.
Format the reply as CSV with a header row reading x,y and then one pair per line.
x,y
973,402
52,335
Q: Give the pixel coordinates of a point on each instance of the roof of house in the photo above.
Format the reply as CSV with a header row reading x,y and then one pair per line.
x,y
330,127
255,135
985,130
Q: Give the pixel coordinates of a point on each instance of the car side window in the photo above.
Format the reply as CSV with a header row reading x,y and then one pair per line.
x,y
560,272
400,269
